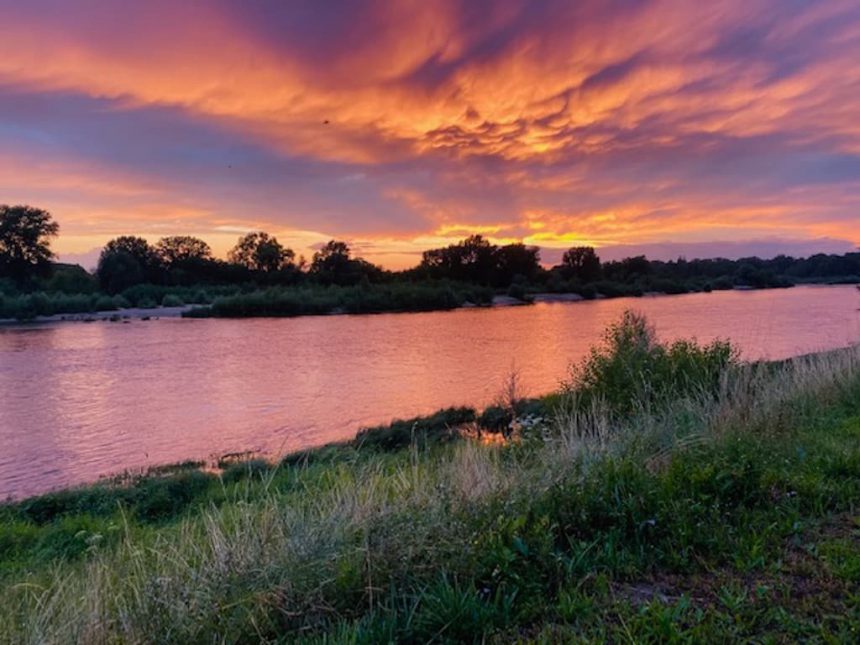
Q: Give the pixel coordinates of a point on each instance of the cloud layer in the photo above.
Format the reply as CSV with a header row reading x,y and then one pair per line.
x,y
400,125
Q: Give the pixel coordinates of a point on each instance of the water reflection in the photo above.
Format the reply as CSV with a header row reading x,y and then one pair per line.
x,y
81,400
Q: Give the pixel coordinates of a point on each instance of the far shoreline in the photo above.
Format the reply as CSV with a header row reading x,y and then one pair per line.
x,y
125,315
115,315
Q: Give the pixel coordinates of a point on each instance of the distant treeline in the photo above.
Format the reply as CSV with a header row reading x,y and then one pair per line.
x,y
182,269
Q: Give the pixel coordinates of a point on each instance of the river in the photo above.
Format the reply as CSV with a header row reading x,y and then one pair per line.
x,y
79,401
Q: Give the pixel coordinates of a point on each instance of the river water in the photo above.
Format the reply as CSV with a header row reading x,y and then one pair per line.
x,y
78,401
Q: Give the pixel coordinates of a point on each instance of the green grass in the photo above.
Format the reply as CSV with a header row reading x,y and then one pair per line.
x,y
727,513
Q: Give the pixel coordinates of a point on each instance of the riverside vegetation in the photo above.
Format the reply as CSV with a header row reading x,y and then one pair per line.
x,y
263,278
667,492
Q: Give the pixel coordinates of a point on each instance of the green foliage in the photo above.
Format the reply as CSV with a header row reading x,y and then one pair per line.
x,y
118,271
498,418
458,612
28,306
148,498
126,261
70,279
252,468
632,371
164,498
438,427
518,291
105,303
155,293
368,298
171,300
612,289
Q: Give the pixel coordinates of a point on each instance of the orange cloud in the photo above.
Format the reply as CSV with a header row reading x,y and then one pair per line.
x,y
416,122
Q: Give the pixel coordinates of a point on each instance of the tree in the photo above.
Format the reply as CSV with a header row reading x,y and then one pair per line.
x,y
25,241
515,260
118,270
581,262
331,260
126,261
261,252
333,264
136,247
182,249
473,260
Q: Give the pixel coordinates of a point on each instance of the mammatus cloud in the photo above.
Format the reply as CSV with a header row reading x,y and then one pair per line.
x,y
403,125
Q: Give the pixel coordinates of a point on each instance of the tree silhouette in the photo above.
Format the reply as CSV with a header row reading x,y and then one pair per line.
x,y
333,264
581,262
261,252
25,241
126,261
179,249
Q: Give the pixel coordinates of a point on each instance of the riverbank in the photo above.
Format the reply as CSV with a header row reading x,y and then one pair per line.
x,y
668,492
116,315
139,302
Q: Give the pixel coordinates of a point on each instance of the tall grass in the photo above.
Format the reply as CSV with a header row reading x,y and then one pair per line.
x,y
460,540
631,369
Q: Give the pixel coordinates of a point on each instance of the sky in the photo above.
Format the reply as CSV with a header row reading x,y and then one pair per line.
x,y
667,127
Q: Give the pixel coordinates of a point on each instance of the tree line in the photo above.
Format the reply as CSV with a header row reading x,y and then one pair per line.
x,y
259,258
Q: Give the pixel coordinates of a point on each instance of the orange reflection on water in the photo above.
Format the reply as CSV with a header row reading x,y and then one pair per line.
x,y
78,401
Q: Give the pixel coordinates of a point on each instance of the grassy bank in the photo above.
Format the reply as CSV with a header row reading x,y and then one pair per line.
x,y
668,492
360,299
26,306
250,301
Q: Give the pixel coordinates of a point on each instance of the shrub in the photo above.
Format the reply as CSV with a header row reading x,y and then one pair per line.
x,y
146,303
200,297
616,289
105,303
517,291
71,279
672,287
329,454
632,369
587,291
141,293
722,283
71,303
164,498
498,418
8,287
252,468
41,304
171,300
400,433
359,299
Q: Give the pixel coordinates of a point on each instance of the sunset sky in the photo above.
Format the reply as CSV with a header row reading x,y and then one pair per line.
x,y
669,127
